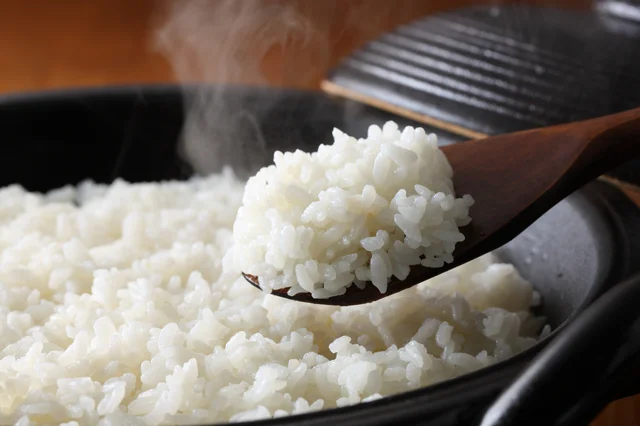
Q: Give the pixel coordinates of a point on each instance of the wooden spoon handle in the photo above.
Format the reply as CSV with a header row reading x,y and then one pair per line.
x,y
614,139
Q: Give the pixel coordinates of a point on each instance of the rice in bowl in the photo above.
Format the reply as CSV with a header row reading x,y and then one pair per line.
x,y
116,308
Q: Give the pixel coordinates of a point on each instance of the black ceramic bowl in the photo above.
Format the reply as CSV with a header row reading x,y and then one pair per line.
x,y
574,253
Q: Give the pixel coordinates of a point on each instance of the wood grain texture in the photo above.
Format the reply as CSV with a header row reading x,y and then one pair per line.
x,y
46,45
57,44
335,90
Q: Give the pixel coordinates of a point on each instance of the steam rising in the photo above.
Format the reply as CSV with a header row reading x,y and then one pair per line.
x,y
228,41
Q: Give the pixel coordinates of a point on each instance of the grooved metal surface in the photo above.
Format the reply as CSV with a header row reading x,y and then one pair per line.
x,y
502,69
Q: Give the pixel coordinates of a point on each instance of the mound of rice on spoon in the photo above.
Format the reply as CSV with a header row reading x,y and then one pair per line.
x,y
356,211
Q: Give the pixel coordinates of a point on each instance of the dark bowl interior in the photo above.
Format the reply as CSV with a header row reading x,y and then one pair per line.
x,y
571,254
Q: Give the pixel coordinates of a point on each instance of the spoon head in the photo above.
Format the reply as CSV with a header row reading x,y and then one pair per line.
x,y
353,295
480,237
492,172
306,297
370,293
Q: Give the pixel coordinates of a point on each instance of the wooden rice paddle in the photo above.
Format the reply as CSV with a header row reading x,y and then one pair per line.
x,y
514,179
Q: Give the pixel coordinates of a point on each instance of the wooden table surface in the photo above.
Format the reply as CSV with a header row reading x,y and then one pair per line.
x,y
57,44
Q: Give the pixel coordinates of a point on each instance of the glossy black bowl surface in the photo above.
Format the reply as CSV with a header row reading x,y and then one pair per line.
x,y
572,254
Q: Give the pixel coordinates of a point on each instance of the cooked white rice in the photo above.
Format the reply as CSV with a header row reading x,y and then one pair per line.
x,y
117,311
355,211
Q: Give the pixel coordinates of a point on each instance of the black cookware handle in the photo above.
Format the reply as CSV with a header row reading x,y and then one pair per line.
x,y
572,379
